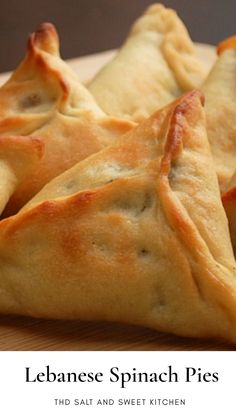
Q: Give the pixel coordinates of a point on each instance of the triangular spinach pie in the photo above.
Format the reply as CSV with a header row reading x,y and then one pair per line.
x,y
155,65
220,93
47,114
135,233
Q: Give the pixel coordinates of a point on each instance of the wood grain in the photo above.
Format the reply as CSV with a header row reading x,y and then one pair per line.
x,y
21,333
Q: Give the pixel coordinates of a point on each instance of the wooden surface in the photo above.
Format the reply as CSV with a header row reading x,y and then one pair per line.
x,y
51,335
19,333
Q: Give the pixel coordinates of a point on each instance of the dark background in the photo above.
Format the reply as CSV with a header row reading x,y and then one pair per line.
x,y
88,26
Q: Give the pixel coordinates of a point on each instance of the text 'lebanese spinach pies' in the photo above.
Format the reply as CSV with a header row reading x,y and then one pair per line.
x,y
43,100
156,64
135,233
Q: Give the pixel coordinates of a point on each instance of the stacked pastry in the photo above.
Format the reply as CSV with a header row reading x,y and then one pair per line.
x,y
111,193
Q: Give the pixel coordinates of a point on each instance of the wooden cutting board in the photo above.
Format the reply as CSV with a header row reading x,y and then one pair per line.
x,y
20,333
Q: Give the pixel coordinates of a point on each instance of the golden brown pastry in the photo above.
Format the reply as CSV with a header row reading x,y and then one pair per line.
x,y
135,233
220,93
229,201
154,66
18,157
44,100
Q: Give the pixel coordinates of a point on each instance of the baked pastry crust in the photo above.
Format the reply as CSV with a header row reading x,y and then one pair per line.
x,y
44,101
135,233
154,66
18,157
220,94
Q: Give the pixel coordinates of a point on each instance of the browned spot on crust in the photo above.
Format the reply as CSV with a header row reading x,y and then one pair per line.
x,y
82,198
229,196
45,38
10,122
30,144
176,128
229,43
70,244
42,63
229,202
47,210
